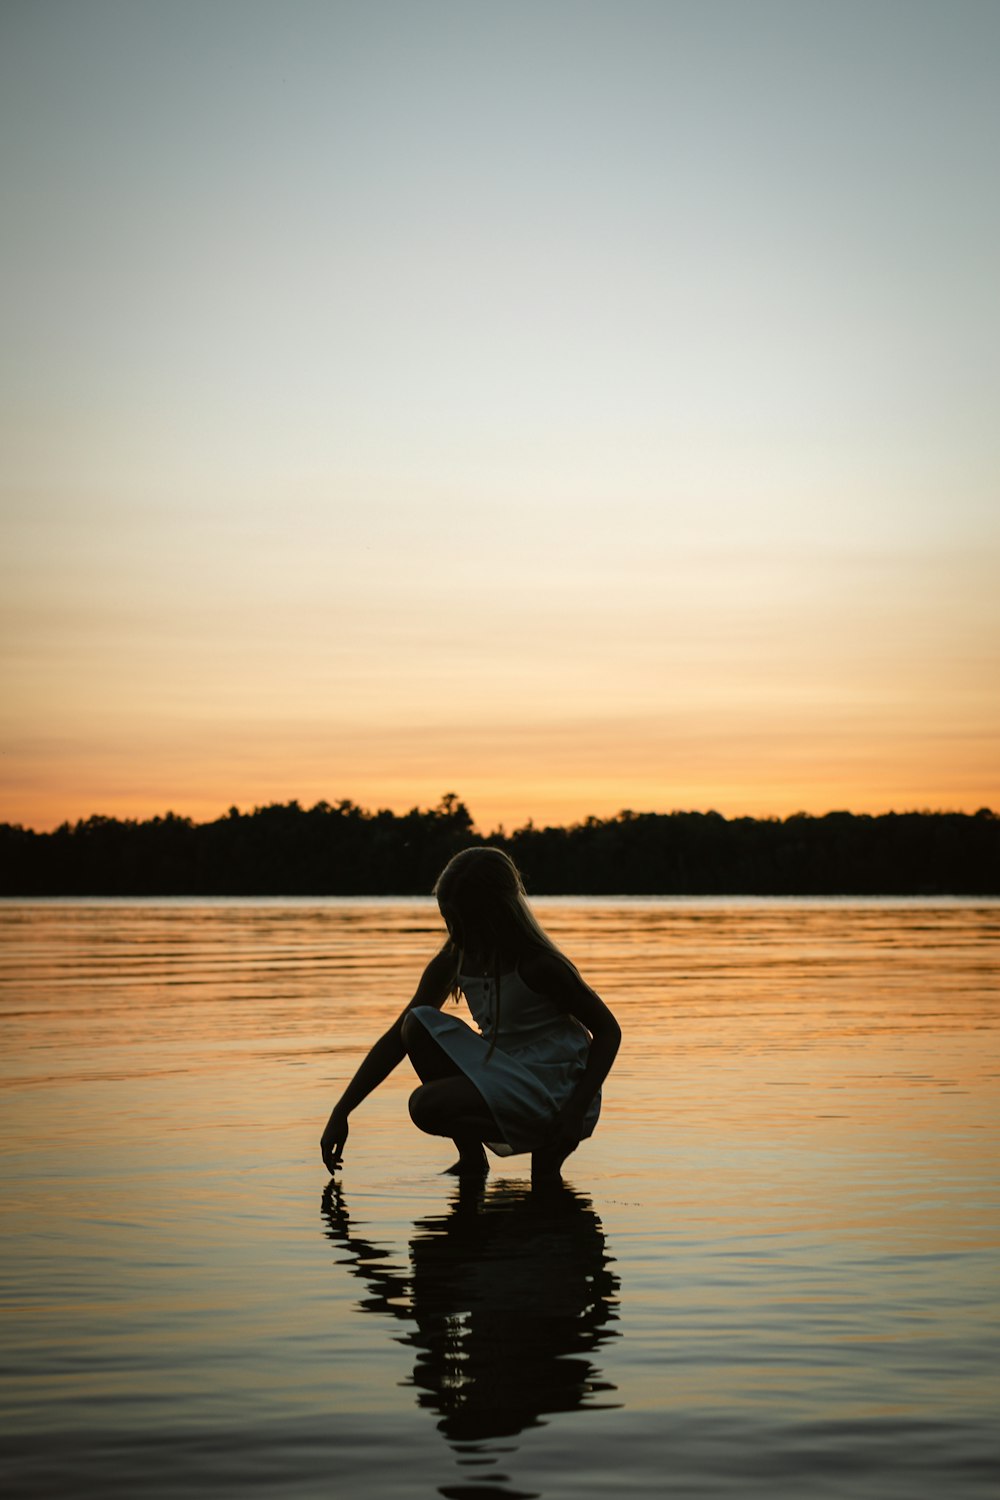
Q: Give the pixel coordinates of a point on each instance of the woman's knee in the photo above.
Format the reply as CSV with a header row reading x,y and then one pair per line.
x,y
422,1111
413,1031
429,1059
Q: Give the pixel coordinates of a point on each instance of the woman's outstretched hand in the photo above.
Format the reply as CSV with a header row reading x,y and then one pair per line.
x,y
334,1139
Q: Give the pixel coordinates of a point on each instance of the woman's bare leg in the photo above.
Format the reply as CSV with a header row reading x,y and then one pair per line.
x,y
547,1162
447,1103
430,1061
454,1107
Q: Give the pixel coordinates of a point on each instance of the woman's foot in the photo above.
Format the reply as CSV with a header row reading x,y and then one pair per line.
x,y
546,1163
471,1163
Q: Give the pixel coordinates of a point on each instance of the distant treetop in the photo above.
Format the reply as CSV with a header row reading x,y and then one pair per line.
x,y
344,850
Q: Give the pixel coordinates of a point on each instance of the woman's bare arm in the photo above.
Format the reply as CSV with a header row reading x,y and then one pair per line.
x,y
386,1054
558,981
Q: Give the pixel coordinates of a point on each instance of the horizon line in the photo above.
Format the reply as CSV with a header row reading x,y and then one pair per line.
x,y
450,802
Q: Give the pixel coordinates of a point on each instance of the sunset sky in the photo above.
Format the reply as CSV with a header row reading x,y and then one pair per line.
x,y
574,406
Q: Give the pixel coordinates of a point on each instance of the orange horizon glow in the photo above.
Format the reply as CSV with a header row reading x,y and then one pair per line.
x,y
491,812
631,448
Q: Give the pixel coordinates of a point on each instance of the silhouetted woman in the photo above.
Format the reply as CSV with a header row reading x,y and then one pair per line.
x,y
530,1078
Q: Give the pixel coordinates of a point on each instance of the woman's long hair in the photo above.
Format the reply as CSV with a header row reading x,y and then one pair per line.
x,y
483,901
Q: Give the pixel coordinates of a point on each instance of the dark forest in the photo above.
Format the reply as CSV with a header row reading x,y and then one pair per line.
x,y
343,850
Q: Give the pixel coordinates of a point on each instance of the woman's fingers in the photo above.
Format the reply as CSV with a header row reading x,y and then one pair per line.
x,y
332,1145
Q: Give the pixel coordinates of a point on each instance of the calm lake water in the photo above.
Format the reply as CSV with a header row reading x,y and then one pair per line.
x,y
772,1272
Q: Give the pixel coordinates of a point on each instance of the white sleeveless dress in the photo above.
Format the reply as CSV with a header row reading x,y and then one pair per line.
x,y
539,1055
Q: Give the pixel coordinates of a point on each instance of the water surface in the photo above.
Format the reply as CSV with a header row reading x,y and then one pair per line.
x,y
773,1271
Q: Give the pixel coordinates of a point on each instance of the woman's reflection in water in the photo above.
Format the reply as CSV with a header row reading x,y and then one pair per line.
x,y
510,1294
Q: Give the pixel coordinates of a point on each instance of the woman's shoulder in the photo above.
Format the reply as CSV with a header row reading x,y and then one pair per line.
x,y
544,969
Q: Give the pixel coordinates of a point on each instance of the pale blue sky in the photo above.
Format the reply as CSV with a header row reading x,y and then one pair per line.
x,y
577,405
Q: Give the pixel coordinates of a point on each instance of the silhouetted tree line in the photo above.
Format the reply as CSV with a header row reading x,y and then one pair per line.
x,y
341,849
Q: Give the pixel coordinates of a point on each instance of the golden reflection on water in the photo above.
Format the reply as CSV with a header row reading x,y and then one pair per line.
x,y
789,1210
505,1297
